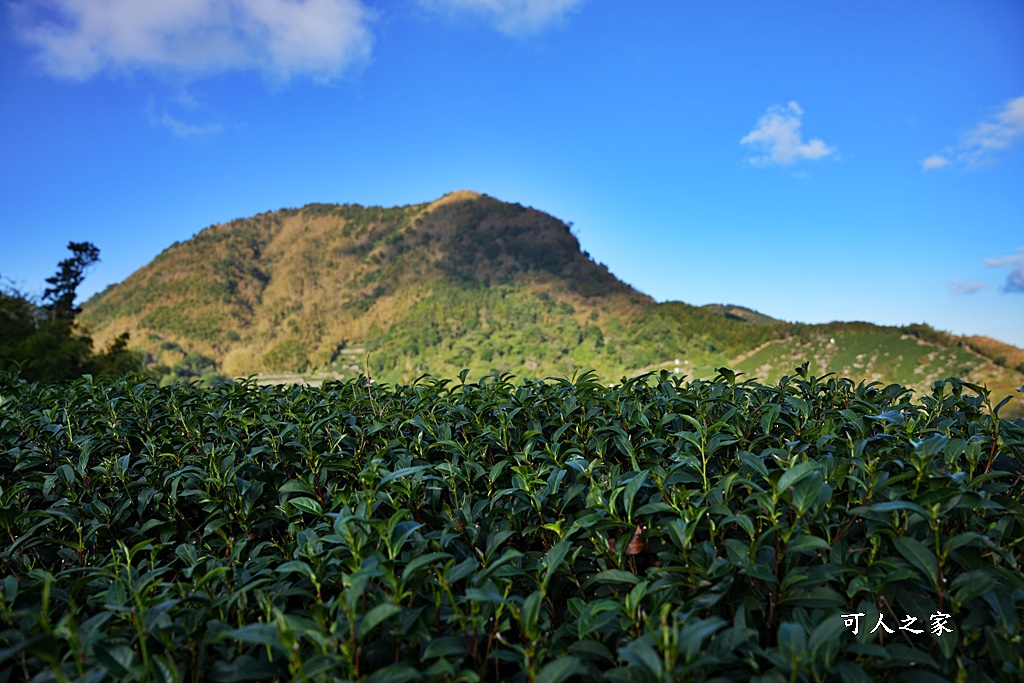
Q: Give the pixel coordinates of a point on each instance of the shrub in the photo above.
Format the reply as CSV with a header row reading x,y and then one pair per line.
x,y
657,530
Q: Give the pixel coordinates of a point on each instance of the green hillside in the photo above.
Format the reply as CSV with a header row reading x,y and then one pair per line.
x,y
467,282
884,354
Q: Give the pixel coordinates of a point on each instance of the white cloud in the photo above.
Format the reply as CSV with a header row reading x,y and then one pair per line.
x,y
180,128
957,286
1015,280
980,144
778,134
933,162
187,130
512,17
78,39
1005,129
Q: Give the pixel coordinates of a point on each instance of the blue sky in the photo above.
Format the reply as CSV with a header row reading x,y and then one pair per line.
x,y
813,160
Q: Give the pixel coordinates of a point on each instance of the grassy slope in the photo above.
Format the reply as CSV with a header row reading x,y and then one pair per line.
x,y
887,355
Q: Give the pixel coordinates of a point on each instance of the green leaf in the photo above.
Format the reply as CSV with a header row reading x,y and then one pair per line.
x,y
418,563
257,634
307,504
30,644
446,646
495,538
631,490
756,463
597,615
560,669
485,595
553,559
297,566
693,635
726,374
967,537
612,576
891,416
116,659
806,544
403,472
316,666
66,474
641,654
297,486
795,474
889,506
792,638
654,508
593,650
679,531
461,570
933,445
743,521
243,668
825,640
973,584
395,673
918,555
771,414
401,533
635,597
376,616
506,557
530,613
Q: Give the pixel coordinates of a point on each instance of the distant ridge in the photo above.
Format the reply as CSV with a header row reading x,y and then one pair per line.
x,y
741,313
468,282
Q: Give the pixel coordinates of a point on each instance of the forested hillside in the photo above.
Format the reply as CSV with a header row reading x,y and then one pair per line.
x,y
468,282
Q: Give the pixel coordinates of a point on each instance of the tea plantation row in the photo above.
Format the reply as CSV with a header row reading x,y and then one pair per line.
x,y
541,531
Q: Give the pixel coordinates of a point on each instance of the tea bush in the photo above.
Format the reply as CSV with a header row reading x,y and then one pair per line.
x,y
562,530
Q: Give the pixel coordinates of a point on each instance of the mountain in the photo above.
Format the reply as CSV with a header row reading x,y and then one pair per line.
x,y
468,281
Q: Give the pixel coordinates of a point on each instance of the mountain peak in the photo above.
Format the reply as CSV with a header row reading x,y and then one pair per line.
x,y
464,281
456,196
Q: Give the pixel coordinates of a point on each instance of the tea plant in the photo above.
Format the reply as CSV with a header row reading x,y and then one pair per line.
x,y
548,531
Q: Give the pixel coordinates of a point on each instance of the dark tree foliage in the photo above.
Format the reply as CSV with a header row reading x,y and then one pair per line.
x,y
18,318
64,284
43,342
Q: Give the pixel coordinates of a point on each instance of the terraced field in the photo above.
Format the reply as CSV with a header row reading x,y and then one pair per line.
x,y
886,357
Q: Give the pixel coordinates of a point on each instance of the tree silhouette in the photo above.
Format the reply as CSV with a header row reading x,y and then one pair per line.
x,y
64,285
